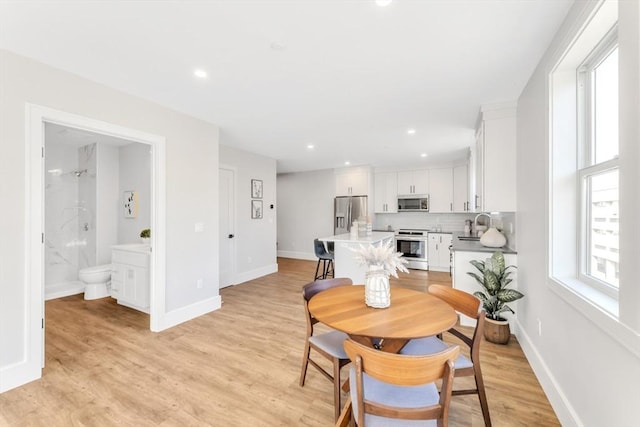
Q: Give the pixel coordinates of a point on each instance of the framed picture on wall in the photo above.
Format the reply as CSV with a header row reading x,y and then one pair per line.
x,y
256,189
256,209
130,203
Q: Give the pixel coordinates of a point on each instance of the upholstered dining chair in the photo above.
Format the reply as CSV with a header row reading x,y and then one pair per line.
x,y
328,344
388,389
469,305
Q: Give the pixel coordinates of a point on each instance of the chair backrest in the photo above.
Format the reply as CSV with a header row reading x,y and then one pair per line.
x,y
311,289
469,305
401,370
318,248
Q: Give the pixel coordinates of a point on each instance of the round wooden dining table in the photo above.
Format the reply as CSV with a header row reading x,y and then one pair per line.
x,y
412,314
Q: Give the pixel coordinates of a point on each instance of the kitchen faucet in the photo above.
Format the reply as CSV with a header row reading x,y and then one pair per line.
x,y
475,221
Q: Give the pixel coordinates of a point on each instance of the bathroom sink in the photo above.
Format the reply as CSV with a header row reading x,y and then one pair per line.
x,y
471,238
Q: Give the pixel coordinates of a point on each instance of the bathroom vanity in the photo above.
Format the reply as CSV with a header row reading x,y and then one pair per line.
x,y
130,275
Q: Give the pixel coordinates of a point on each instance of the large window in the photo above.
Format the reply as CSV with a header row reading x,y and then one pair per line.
x,y
597,107
584,173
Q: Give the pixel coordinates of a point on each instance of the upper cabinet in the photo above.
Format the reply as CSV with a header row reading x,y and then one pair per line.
x,y
441,190
413,182
386,192
352,183
461,189
496,159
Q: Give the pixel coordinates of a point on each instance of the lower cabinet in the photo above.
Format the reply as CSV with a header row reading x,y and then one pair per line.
x,y
130,278
438,253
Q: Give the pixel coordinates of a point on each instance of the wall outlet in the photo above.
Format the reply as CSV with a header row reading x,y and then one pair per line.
x,y
199,283
539,327
199,227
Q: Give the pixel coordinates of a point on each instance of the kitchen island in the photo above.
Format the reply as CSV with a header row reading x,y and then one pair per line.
x,y
344,245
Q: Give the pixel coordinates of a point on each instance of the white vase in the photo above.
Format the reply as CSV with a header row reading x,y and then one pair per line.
x,y
492,238
377,293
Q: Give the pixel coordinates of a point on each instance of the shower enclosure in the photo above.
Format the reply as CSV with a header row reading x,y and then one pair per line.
x,y
70,206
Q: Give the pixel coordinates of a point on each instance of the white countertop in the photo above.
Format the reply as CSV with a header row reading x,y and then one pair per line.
x,y
144,248
375,237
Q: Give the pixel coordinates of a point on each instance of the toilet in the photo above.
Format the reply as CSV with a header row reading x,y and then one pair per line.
x,y
97,281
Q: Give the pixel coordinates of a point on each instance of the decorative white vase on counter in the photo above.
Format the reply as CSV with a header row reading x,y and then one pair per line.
x,y
377,293
492,238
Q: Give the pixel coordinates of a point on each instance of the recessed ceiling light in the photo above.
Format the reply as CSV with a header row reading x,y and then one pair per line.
x,y
423,155
200,73
347,163
411,131
310,146
383,3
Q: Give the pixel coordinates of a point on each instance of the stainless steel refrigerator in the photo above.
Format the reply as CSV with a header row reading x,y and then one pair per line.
x,y
346,210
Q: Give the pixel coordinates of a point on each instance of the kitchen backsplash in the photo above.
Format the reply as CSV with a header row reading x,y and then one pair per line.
x,y
504,221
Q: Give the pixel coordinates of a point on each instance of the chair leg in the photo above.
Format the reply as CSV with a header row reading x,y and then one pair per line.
x,y
330,269
317,268
305,363
482,396
336,388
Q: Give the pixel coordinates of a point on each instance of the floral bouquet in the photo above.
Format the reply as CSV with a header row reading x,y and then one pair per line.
x,y
384,256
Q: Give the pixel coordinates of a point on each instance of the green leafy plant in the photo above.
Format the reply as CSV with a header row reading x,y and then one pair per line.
x,y
494,278
146,233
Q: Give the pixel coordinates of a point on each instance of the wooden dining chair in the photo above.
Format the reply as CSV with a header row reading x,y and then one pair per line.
x,y
467,304
328,344
388,389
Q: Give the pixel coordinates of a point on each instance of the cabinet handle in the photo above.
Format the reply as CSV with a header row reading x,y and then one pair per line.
x,y
477,197
451,207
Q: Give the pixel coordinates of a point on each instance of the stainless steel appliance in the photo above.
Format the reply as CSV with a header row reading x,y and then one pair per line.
x,y
346,210
413,244
413,204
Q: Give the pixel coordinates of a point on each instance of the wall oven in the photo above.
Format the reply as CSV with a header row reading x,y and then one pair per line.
x,y
413,244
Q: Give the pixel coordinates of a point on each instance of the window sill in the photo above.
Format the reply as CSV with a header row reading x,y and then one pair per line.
x,y
599,308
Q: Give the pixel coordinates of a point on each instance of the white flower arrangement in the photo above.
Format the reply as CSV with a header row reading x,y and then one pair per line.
x,y
383,255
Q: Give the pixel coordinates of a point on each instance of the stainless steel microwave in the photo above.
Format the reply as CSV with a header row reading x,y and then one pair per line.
x,y
413,204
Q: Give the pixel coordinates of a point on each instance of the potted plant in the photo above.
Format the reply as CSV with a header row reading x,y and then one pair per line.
x,y
145,235
495,278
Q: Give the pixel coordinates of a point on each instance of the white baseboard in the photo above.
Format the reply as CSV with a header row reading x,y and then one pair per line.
x,y
298,255
245,276
559,401
189,312
18,374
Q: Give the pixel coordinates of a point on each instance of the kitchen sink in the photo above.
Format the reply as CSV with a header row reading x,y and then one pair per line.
x,y
472,238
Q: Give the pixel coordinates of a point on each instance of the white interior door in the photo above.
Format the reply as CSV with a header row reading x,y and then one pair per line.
x,y
227,227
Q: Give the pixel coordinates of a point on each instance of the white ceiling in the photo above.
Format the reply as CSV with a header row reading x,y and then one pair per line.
x,y
349,77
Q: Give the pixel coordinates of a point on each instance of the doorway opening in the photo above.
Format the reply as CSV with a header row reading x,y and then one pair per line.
x,y
38,119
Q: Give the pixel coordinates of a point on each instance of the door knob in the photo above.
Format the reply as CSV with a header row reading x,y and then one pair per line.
x,y
231,236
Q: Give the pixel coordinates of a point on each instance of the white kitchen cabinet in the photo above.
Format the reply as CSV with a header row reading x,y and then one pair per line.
x,y
464,282
496,160
438,254
461,189
413,182
386,192
441,190
352,183
130,276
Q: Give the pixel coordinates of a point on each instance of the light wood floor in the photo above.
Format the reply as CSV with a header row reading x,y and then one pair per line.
x,y
238,366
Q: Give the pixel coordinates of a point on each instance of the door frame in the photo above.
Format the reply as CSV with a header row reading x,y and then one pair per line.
x,y
36,117
233,220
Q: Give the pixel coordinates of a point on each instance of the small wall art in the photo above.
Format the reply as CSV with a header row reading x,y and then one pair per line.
x,y
256,189
130,203
256,209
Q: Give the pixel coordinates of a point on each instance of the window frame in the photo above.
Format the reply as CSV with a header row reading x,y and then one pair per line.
x,y
586,156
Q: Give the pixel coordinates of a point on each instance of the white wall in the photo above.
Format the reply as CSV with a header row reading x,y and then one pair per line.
x,y
255,238
107,206
305,211
135,175
590,377
191,190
